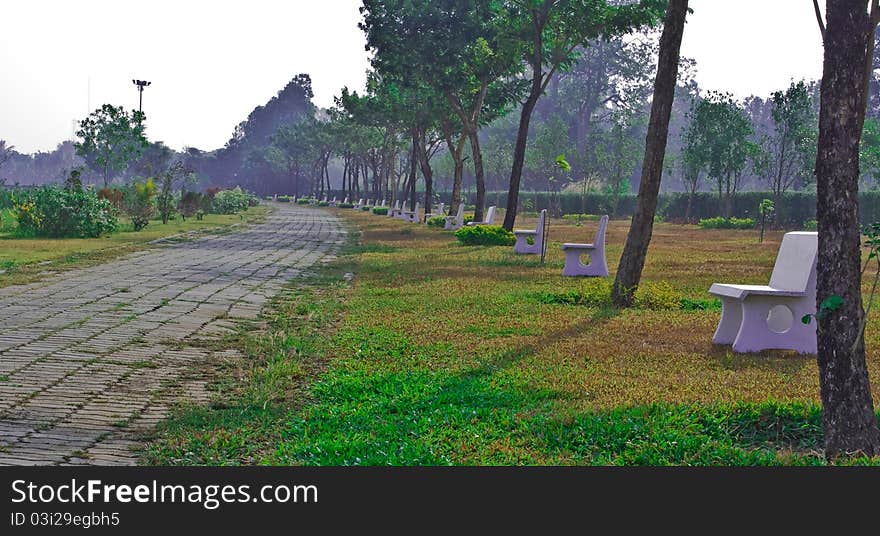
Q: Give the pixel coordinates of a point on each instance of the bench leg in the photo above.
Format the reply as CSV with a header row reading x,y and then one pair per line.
x,y
523,247
597,267
755,334
731,319
573,265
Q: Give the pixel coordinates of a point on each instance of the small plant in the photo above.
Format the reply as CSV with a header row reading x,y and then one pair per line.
x,y
303,201
380,211
345,205
189,204
323,204
485,235
657,296
727,223
283,199
230,201
115,196
467,219
811,225
437,221
766,208
140,203
365,208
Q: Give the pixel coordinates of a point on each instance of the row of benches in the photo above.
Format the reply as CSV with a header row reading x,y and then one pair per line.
x,y
753,317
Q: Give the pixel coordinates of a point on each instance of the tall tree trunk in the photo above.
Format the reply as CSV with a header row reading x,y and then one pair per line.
x,y
479,176
519,156
455,151
427,173
413,162
629,271
848,418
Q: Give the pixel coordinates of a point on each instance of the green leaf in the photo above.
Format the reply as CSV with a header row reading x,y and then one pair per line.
x,y
831,303
563,163
806,319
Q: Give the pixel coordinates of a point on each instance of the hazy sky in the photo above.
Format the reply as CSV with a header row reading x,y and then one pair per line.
x,y
212,62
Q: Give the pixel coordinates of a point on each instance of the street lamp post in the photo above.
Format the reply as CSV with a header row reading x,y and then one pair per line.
x,y
141,84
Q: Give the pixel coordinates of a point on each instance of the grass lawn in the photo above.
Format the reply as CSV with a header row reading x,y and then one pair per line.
x,y
437,353
26,259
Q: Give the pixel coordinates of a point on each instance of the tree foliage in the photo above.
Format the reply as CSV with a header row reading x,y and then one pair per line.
x,y
110,138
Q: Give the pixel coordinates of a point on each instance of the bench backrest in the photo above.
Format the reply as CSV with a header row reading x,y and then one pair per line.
x,y
796,261
490,216
459,216
540,228
599,241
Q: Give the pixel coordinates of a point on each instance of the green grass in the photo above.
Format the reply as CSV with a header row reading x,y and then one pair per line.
x,y
24,259
437,353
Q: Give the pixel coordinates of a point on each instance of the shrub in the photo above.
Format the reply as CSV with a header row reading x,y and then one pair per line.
x,y
230,201
592,293
485,235
323,204
345,205
365,208
658,296
437,221
381,211
115,196
253,200
64,212
303,201
727,223
189,204
283,199
578,218
140,203
811,225
467,219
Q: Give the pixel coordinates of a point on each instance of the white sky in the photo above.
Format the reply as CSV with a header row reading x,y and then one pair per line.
x,y
212,62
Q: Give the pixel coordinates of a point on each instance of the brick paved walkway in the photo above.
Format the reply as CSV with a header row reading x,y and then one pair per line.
x,y
90,359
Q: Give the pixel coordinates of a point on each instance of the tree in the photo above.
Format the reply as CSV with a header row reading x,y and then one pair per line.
x,y
5,152
792,147
454,49
869,152
548,33
550,140
292,151
632,261
848,419
174,177
110,139
617,151
719,137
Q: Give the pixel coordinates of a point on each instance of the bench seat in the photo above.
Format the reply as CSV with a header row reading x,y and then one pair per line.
x,y
741,291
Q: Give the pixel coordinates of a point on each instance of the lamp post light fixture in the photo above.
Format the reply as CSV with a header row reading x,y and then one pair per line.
x,y
141,84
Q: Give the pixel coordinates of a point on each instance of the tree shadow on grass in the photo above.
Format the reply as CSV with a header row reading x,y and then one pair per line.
x,y
785,361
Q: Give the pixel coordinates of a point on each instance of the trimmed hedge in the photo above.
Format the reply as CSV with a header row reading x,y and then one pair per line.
x,y
381,211
437,221
485,235
793,209
727,223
